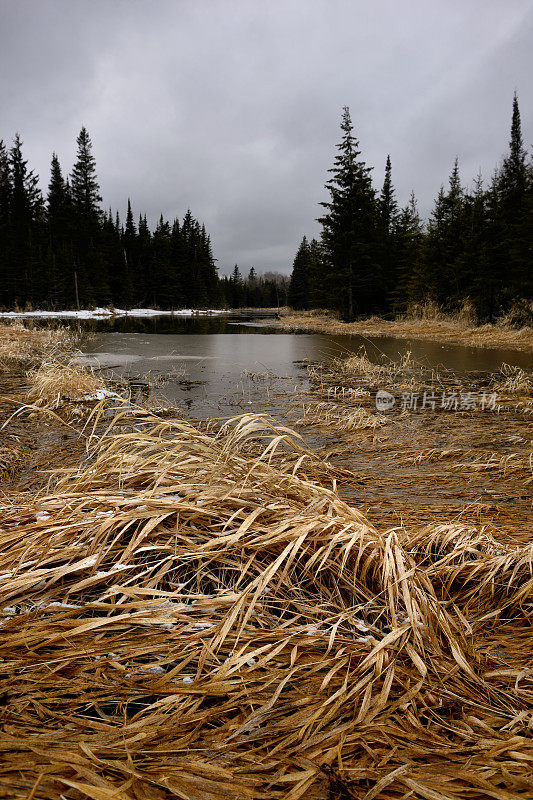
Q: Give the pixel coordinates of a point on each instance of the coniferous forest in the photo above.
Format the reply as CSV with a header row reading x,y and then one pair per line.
x,y
62,250
374,257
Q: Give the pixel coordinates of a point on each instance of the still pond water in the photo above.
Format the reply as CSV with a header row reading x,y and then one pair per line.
x,y
215,367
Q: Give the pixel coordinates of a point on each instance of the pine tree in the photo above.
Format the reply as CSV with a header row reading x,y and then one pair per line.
x,y
473,273
25,211
129,250
388,214
299,287
410,284
442,251
91,264
5,185
84,183
349,229
512,242
59,233
5,206
388,207
143,277
160,273
55,199
236,290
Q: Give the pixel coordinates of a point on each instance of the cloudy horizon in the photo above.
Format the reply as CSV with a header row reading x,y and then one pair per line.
x,y
233,109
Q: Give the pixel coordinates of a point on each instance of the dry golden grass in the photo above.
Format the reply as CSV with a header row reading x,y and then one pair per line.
x,y
455,330
26,346
55,384
11,459
341,418
193,612
184,619
514,381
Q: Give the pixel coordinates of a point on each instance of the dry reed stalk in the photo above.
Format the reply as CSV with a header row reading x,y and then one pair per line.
x,y
450,330
54,385
340,418
182,618
26,346
514,381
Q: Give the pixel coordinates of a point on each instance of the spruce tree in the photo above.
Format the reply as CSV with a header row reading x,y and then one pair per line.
x,y
388,215
129,251
513,243
58,214
25,211
5,206
5,185
84,182
410,284
299,289
388,207
442,251
91,265
473,273
350,230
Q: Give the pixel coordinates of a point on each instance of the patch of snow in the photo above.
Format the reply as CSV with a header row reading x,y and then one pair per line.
x,y
99,313
203,625
251,662
147,670
187,679
42,515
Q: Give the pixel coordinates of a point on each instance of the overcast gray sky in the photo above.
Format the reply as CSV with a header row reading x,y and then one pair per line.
x,y
232,107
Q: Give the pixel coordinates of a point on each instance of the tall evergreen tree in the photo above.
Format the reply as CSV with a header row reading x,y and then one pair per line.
x,y
25,211
388,214
5,206
84,182
409,236
90,273
388,207
442,246
350,229
299,287
511,248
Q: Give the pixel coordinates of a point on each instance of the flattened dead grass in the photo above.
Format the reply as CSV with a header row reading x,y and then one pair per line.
x,y
193,612
184,619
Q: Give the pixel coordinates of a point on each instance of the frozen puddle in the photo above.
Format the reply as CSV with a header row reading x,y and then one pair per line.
x,y
106,359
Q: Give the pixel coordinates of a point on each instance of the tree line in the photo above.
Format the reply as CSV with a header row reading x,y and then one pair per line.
x,y
63,251
375,257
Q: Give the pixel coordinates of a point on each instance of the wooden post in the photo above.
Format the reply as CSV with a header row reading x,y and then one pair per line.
x,y
76,288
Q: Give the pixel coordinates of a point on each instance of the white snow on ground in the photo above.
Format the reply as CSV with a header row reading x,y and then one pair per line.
x,y
106,313
98,395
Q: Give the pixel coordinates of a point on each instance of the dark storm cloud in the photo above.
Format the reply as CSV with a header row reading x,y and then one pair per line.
x,y
233,108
